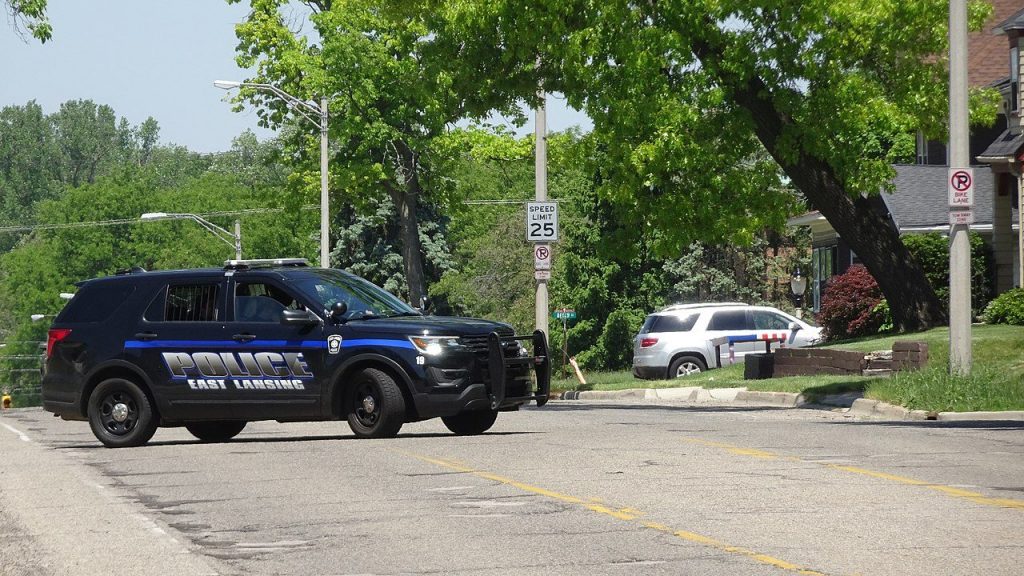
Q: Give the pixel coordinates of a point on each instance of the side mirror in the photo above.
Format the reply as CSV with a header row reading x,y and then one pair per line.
x,y
426,304
793,327
298,318
338,309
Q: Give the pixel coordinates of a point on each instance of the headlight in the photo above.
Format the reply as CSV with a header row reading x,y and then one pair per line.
x,y
434,345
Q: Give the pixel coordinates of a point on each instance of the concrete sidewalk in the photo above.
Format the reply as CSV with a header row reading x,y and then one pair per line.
x,y
855,405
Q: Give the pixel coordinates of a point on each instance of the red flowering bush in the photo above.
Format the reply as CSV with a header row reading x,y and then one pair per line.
x,y
848,306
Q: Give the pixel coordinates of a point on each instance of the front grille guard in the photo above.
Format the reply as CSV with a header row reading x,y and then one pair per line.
x,y
498,363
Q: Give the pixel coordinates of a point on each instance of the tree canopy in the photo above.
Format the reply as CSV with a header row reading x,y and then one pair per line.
x,y
691,98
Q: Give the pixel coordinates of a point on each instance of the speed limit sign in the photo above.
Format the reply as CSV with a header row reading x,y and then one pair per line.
x,y
541,221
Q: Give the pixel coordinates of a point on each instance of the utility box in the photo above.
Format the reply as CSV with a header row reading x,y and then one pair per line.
x,y
758,366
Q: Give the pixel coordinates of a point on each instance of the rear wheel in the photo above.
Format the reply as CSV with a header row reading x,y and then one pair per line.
x,y
684,366
471,423
120,414
215,431
374,405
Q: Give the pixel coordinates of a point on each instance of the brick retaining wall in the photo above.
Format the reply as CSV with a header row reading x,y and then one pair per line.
x,y
906,355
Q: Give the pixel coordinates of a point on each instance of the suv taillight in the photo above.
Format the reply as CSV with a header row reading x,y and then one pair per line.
x,y
55,335
648,342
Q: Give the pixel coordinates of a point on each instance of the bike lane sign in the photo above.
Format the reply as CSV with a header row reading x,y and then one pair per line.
x,y
961,187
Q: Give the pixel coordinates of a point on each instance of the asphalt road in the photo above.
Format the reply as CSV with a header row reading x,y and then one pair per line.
x,y
584,488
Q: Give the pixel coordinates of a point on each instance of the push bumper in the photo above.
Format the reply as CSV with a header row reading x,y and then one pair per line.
x,y
498,365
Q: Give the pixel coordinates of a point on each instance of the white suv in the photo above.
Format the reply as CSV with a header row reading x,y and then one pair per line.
x,y
677,341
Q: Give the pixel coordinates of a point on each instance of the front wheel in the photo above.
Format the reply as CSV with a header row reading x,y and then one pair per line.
x,y
471,423
684,366
215,431
120,414
374,405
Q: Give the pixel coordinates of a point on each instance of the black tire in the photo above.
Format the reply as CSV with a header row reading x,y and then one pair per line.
x,y
374,405
684,366
471,423
120,414
215,430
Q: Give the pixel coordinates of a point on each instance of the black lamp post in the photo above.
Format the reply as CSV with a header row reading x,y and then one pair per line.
x,y
798,284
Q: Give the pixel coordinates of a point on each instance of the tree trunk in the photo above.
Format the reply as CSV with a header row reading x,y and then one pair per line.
x,y
861,222
405,196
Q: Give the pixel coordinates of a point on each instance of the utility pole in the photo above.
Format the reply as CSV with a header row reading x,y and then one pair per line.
x,y
541,185
959,160
325,214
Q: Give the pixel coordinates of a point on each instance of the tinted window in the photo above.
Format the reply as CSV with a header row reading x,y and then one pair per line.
x,y
259,302
648,324
729,320
96,302
191,303
764,320
675,323
363,299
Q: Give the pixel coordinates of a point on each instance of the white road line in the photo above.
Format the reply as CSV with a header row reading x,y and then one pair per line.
x,y
21,435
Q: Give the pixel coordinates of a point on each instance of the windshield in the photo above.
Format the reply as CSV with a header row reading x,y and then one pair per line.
x,y
364,300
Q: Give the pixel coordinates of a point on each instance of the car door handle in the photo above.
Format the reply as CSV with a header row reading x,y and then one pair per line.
x,y
244,337
145,336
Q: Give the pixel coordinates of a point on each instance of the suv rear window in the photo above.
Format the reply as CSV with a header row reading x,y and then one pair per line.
x,y
669,323
94,303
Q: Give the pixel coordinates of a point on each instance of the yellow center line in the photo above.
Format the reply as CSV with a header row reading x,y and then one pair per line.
x,y
625,514
975,497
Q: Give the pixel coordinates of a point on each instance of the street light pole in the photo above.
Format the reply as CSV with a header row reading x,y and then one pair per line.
x,y
232,239
320,120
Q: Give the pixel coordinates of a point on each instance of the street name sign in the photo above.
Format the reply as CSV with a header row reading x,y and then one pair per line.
x,y
542,221
564,314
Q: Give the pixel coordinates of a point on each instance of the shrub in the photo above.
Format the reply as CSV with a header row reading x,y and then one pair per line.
x,y
848,308
617,338
932,252
1007,308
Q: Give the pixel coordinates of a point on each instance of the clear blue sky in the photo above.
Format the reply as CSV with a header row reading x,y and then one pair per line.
x,y
149,58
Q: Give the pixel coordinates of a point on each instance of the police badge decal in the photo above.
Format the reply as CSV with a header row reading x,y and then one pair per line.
x,y
334,344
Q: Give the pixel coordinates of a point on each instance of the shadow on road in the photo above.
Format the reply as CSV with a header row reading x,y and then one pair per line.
x,y
275,440
939,424
568,406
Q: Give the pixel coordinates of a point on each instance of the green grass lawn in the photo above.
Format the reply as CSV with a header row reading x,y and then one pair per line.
x,y
996,381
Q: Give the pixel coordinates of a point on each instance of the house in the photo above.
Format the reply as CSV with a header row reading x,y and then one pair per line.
x,y
918,203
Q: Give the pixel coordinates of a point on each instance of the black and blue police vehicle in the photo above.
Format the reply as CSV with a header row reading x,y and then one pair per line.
x,y
213,349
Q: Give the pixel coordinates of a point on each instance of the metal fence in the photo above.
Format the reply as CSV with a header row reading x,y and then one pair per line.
x,y
20,361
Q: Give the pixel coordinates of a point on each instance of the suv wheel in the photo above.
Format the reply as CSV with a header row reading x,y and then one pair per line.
x,y
471,423
684,366
120,414
374,405
215,431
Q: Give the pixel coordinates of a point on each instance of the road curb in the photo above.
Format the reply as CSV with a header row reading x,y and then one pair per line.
x,y
788,399
861,407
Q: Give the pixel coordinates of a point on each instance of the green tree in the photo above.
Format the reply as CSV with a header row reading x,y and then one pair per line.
x,y
30,14
686,93
29,163
388,107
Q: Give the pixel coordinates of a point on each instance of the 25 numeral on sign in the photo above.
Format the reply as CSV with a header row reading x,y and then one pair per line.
x,y
544,230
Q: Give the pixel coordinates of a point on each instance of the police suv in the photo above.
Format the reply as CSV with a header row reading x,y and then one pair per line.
x,y
212,349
